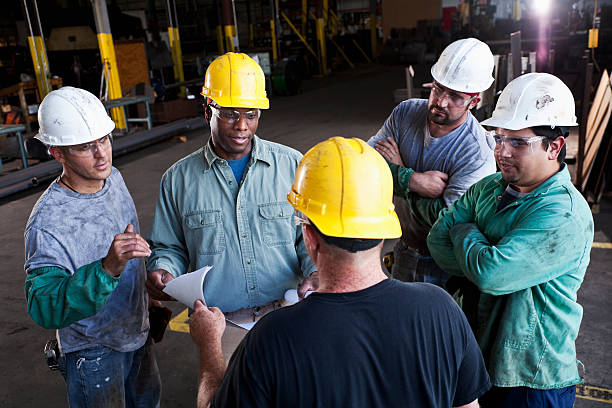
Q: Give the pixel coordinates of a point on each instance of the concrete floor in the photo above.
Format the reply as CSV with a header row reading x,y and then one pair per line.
x,y
350,104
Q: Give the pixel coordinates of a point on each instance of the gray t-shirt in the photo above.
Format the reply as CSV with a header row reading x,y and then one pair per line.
x,y
465,155
69,230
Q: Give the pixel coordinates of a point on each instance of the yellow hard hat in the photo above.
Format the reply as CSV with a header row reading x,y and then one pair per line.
x,y
345,188
236,80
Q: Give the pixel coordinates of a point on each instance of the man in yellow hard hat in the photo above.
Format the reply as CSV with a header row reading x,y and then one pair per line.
x,y
361,340
224,205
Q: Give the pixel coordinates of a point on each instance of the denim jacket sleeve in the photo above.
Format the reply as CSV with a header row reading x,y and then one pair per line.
x,y
56,299
167,239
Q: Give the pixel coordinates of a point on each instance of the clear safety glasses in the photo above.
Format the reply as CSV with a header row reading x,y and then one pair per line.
x,y
454,98
517,145
89,149
232,115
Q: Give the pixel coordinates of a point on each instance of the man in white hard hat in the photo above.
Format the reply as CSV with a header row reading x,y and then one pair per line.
x,y
523,238
362,340
224,205
83,259
436,149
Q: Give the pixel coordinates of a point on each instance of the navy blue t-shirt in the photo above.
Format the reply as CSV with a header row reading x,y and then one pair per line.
x,y
394,344
238,166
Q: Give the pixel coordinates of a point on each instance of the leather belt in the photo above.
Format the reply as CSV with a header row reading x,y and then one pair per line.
x,y
253,314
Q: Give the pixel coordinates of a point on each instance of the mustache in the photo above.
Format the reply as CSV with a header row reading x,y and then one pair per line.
x,y
438,108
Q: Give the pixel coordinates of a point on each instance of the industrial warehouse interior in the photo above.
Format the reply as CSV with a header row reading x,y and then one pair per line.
x,y
203,108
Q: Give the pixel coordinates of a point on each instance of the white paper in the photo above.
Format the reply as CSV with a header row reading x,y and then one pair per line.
x,y
291,296
188,288
246,326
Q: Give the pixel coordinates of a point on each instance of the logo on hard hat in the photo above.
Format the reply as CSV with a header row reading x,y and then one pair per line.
x,y
543,101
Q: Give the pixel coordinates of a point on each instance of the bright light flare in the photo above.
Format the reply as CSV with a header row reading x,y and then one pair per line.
x,y
542,7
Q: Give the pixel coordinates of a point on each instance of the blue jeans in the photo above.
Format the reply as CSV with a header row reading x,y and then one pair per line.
x,y
101,377
409,266
523,397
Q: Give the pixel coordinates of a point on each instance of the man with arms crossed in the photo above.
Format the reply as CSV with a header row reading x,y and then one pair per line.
x,y
436,149
523,237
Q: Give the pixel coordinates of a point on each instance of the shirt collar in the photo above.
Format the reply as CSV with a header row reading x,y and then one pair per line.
x,y
258,152
559,178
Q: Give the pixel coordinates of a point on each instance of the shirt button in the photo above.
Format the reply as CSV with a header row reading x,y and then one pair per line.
x,y
230,181
252,287
244,236
201,222
249,261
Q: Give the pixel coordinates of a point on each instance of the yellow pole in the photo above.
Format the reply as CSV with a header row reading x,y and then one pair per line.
x,y
251,36
273,38
295,30
109,61
362,51
220,40
321,43
41,66
340,51
177,56
175,44
229,38
304,16
37,47
373,33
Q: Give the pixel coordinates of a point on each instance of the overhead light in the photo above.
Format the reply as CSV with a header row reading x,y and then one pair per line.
x,y
542,7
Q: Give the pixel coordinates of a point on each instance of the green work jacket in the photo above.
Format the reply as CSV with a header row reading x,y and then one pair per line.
x,y
528,260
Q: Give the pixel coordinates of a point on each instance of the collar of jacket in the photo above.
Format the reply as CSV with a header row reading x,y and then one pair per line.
x,y
258,152
560,178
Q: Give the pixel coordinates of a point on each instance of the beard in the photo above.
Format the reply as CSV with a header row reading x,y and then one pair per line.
x,y
441,116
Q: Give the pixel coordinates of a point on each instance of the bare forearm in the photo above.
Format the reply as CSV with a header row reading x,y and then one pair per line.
x,y
212,370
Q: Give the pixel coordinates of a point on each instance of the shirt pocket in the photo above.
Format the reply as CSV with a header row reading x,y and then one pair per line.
x,y
277,228
204,232
520,321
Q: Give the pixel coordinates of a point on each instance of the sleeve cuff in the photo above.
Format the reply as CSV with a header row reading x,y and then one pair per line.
x,y
401,179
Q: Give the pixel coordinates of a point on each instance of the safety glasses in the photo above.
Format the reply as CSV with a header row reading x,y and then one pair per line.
x,y
89,149
232,115
516,144
453,98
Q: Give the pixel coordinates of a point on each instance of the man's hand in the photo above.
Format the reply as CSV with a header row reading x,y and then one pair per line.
x,y
310,283
156,282
206,325
124,247
389,150
430,184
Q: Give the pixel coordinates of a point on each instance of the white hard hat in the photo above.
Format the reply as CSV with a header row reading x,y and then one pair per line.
x,y
465,66
70,116
535,99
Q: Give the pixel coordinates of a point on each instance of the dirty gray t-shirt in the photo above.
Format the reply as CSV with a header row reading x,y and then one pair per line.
x,y
465,155
69,230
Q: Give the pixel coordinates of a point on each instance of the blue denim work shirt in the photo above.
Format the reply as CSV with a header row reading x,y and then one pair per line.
x,y
245,230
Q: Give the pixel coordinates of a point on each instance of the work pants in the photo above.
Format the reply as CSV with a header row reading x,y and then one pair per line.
x,y
100,377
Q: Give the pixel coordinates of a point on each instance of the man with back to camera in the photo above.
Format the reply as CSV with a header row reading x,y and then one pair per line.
x,y
224,205
361,340
436,149
93,295
523,237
